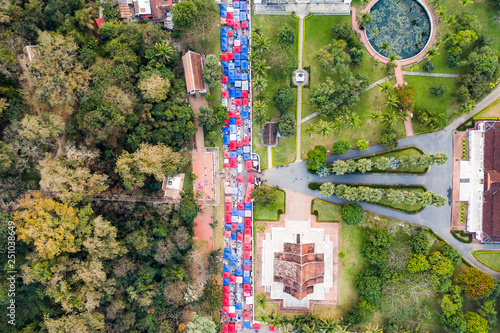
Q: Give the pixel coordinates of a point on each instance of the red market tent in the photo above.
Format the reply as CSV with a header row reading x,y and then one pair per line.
x,y
246,255
226,165
240,181
230,56
237,49
225,79
244,24
249,165
250,177
247,287
239,122
225,295
230,33
247,268
231,326
239,237
228,208
237,101
225,94
233,163
247,315
232,279
245,101
231,315
225,302
241,205
248,222
225,309
248,239
225,289
227,154
228,219
226,275
248,231
230,15
248,247
227,233
234,226
239,144
226,122
223,57
245,141
232,114
232,145
272,329
244,93
236,25
229,21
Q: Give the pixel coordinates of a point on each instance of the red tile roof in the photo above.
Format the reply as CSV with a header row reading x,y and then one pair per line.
x,y
193,71
491,194
159,9
299,268
99,21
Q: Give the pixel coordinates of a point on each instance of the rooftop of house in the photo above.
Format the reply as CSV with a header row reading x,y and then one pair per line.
x,y
491,191
193,71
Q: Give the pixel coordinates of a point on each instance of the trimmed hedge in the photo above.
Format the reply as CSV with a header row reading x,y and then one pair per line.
x,y
314,186
394,171
461,236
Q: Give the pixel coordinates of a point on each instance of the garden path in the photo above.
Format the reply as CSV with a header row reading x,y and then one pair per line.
x,y
269,157
298,143
431,74
438,180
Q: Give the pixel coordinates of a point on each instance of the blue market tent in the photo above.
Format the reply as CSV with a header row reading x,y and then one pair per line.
x,y
247,324
246,280
244,56
232,121
247,263
225,282
238,94
233,263
223,11
231,65
236,4
233,154
234,219
236,17
247,157
226,71
244,114
234,256
241,213
234,212
223,30
226,139
243,16
227,268
223,43
244,64
241,226
225,129
246,273
244,40
243,6
225,64
237,306
248,206
231,77
239,76
244,49
244,76
227,226
237,56
232,130
237,63
233,237
239,151
231,91
238,272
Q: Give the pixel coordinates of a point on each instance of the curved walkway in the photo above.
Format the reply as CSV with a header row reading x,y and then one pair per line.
x,y
438,180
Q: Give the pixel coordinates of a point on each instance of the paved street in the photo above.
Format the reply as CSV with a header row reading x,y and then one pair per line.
x,y
295,177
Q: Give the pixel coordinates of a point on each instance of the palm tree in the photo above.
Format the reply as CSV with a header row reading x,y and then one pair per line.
x,y
374,329
324,128
275,319
285,327
259,67
352,119
390,118
261,300
385,46
393,57
466,2
259,111
385,87
329,325
260,43
309,129
441,12
376,116
432,52
366,19
260,83
339,124
309,328
434,2
391,101
163,52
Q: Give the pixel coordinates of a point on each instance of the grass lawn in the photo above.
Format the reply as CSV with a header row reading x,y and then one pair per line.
x,y
270,213
485,10
492,111
397,153
285,152
369,130
327,211
424,99
269,24
489,258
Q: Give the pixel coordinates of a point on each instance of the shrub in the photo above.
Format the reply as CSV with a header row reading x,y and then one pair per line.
x,y
313,186
429,66
352,213
340,147
462,236
438,90
283,98
420,243
341,254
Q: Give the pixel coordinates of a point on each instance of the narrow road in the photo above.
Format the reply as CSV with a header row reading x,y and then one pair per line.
x,y
454,76
438,180
269,157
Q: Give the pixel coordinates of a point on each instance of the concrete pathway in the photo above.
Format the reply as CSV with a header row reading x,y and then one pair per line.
x,y
438,180
309,117
269,157
454,76
298,144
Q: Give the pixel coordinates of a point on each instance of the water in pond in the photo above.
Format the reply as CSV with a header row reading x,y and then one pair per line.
x,y
401,27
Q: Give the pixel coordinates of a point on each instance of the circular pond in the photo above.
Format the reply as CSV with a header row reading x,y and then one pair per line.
x,y
400,27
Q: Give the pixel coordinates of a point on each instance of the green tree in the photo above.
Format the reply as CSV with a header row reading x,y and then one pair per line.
x,y
389,138
356,56
327,189
208,117
369,285
420,243
474,323
339,167
264,195
383,163
259,111
366,19
212,71
418,263
201,324
333,59
154,88
184,14
286,124
340,147
317,158
286,35
352,213
324,128
438,90
364,165
395,196
283,99
362,144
